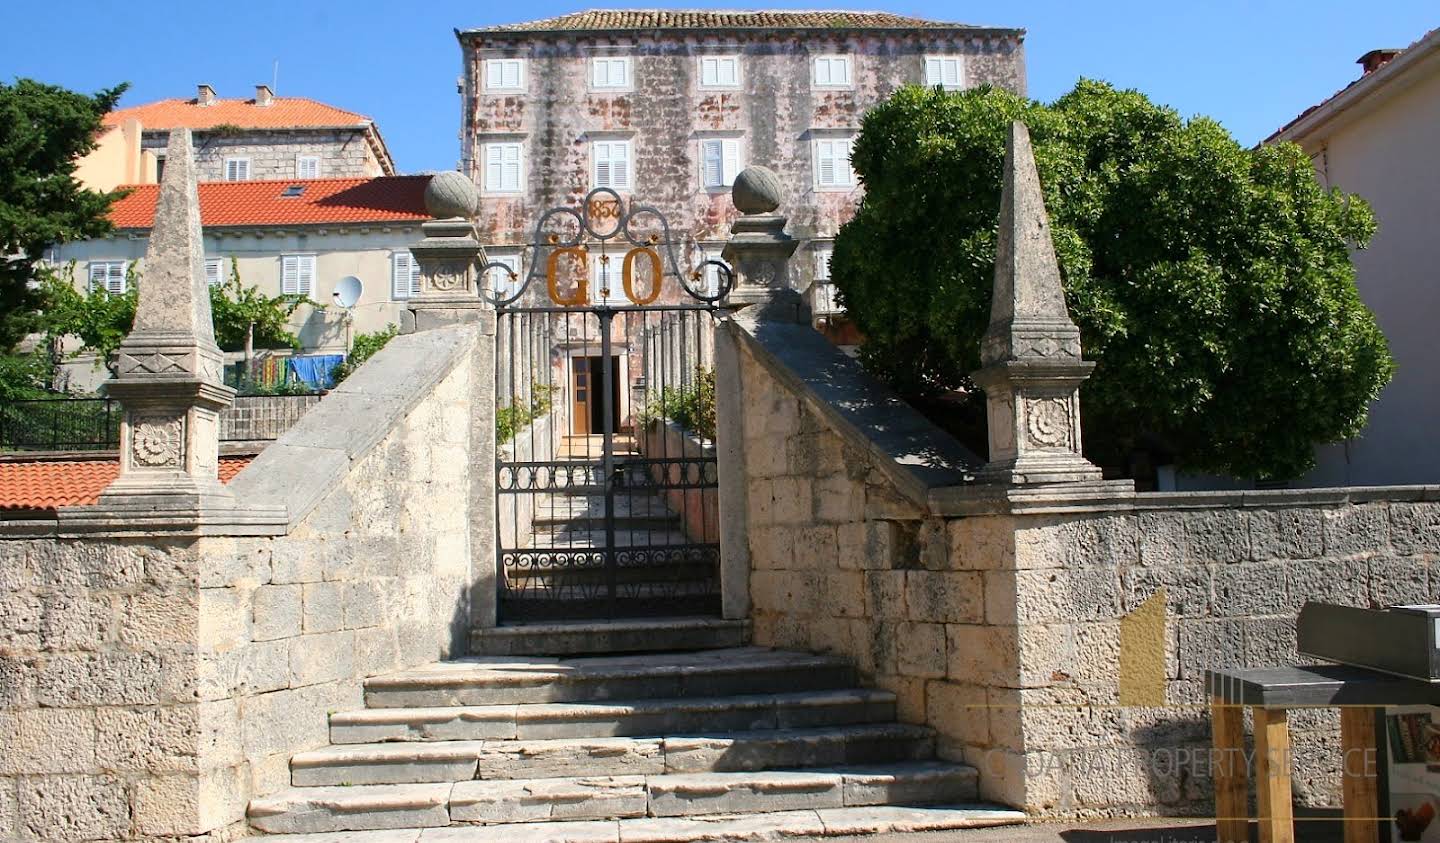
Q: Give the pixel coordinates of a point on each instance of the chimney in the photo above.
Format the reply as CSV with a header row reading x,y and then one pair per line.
x,y
263,95
204,94
1376,59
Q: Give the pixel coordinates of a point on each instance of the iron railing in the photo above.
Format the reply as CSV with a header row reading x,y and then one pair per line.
x,y
93,424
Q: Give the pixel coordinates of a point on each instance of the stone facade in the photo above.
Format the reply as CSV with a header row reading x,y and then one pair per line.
x,y
774,111
157,684
343,153
1001,627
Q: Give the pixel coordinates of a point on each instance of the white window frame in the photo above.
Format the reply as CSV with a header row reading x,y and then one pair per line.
x,y
112,276
496,71
238,161
215,271
300,161
303,268
720,162
613,272
938,67
499,181
602,73
404,275
822,71
718,79
823,148
608,146
822,254
497,281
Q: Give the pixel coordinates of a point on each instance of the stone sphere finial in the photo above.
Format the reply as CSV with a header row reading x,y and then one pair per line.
x,y
757,190
451,194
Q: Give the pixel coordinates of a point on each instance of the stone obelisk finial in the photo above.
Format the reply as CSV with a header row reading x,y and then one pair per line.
x,y
759,251
170,380
1032,369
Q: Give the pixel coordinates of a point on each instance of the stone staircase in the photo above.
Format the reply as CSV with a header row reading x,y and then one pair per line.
x,y
739,743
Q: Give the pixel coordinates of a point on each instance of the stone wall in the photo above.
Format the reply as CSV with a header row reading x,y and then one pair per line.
x,y
343,153
261,418
699,507
154,686
999,624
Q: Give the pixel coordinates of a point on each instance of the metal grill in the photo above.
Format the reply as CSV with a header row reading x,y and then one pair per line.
x,y
608,498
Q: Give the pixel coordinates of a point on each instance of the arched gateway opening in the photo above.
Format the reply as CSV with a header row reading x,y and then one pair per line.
x,y
607,482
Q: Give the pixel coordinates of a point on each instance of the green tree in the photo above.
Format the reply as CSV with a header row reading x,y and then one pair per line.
x,y
44,131
237,310
1212,283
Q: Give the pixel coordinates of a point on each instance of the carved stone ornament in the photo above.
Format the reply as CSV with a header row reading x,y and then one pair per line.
x,y
448,278
761,274
1047,421
157,440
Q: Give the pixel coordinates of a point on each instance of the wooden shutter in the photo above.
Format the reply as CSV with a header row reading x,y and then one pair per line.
x,y
601,153
620,164
297,275
213,271
822,71
822,263
401,276
493,166
709,71
109,275
730,165
728,71
712,163
932,71
308,167
510,166
824,162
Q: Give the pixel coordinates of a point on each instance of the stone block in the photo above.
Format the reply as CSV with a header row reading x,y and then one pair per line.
x,y
74,808
711,793
981,542
788,592
74,620
365,605
1250,588
838,499
1395,581
1162,537
843,594
171,616
958,711
17,682
1209,645
294,559
1075,541
1067,594
234,562
154,739
1219,536
1415,528
108,678
540,800
168,805
1327,580
376,651
1356,530
99,564
22,612
983,654
945,596
792,500
1187,588
768,458
922,651
324,607
277,612
1269,642
223,616
1292,533
47,740
885,595
326,657
9,810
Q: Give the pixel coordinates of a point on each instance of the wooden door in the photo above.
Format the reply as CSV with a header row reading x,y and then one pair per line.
x,y
580,392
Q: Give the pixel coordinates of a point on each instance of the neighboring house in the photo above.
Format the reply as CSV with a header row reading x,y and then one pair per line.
x,y
266,137
287,236
668,106
1378,137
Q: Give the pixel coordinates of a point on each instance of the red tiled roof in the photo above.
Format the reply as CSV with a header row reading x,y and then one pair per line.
x,y
47,485
281,113
257,203
624,19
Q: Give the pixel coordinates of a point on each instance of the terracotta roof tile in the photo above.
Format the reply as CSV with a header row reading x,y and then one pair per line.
x,y
256,203
39,486
624,19
281,113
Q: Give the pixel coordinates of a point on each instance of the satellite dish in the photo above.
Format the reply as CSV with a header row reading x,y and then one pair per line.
x,y
347,291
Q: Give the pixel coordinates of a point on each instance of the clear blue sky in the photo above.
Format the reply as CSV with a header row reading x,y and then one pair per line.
x,y
1252,65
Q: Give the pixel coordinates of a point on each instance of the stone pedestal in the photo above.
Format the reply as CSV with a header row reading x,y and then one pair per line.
x,y
759,253
449,259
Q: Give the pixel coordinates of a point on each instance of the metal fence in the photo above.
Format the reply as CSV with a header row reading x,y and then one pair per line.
x,y
93,424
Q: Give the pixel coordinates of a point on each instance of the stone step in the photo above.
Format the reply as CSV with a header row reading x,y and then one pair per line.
x,y
939,823
448,761
362,807
544,721
713,673
618,636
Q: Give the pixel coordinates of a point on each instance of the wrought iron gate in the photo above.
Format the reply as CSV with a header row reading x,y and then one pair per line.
x,y
607,480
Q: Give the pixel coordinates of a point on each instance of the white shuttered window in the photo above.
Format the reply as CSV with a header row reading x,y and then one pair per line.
x,y
109,275
498,280
832,163
297,275
502,168
719,162
719,71
832,71
214,271
945,71
404,276
610,72
237,169
307,166
504,74
611,160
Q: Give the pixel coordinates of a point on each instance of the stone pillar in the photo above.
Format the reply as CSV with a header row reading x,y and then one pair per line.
x,y
759,252
170,382
1032,368
450,257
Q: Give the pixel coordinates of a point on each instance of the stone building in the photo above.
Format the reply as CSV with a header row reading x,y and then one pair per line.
x,y
264,137
668,106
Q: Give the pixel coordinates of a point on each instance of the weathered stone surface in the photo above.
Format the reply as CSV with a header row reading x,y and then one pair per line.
x,y
397,763
151,739
1353,530
757,190
316,809
45,740
1415,527
539,800
588,756
944,596
324,607
73,808
451,194
1250,588
723,793
277,612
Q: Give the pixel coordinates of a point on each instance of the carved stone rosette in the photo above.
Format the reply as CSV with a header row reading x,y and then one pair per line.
x,y
449,259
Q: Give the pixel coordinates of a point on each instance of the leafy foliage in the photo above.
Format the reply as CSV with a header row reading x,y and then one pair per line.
x,y
511,419
235,307
24,376
44,130
1212,283
363,348
691,406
